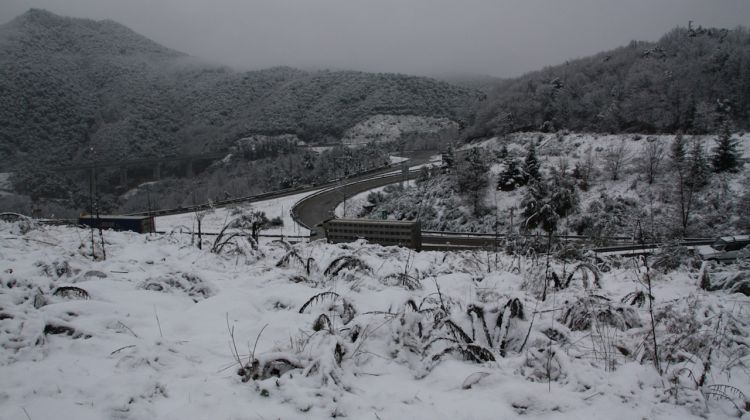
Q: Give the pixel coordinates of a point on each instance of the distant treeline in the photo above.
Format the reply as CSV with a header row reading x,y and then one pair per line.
x,y
680,83
76,89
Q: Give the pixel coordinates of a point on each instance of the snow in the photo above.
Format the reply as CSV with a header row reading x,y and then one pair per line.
x,y
632,191
133,191
215,220
397,159
153,340
385,128
355,204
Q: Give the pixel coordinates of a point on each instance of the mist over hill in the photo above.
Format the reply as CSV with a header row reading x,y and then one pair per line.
x,y
72,85
679,83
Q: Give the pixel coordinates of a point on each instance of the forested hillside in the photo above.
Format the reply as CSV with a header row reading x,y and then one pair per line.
x,y
679,83
69,85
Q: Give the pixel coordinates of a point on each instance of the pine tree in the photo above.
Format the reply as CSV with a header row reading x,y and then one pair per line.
x,y
512,176
531,165
677,151
538,209
471,177
502,154
726,154
564,196
698,167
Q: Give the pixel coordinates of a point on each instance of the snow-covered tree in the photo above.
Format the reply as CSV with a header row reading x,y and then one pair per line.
x,y
512,176
531,164
471,178
538,208
677,150
726,154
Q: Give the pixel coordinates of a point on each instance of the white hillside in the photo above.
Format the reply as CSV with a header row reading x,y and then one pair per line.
x,y
413,128
607,204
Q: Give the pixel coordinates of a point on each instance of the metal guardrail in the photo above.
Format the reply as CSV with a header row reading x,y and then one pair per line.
x,y
463,235
524,235
624,248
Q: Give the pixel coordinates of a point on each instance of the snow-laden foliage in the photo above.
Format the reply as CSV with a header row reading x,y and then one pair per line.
x,y
162,329
663,189
665,86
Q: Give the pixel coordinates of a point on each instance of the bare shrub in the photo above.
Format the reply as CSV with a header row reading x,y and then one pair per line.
x,y
615,159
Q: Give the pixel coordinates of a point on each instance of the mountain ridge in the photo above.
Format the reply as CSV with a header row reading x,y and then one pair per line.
x,y
689,80
75,85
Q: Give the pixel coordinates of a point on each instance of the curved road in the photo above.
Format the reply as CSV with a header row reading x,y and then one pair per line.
x,y
315,209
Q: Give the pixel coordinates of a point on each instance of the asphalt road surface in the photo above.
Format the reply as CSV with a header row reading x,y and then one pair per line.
x,y
316,209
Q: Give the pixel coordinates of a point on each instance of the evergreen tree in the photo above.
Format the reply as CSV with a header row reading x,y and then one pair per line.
x,y
564,196
726,154
677,150
512,176
531,165
698,168
538,209
471,177
546,202
502,154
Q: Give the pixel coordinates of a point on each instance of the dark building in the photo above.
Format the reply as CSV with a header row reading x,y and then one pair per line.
x,y
383,232
140,224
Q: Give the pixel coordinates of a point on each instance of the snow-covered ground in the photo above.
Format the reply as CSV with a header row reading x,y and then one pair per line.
x,y
353,206
716,210
215,219
384,128
357,331
397,159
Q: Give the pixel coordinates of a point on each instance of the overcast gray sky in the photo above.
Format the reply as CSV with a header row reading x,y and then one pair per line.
x,y
495,37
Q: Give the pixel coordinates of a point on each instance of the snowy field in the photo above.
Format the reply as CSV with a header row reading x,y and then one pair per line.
x,y
217,218
160,330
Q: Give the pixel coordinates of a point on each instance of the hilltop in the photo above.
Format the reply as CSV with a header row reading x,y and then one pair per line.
x,y
71,85
679,83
